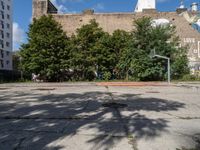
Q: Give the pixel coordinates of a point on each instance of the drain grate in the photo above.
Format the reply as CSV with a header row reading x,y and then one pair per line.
x,y
114,105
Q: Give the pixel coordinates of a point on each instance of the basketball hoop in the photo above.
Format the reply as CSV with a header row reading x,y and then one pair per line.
x,y
152,53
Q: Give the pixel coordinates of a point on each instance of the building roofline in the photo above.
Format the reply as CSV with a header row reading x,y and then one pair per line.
x,y
112,13
52,5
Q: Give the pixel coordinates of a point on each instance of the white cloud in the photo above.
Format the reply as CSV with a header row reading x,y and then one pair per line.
x,y
99,6
61,8
18,35
60,5
162,1
77,1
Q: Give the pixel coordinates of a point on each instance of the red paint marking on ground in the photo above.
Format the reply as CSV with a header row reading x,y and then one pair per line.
x,y
132,84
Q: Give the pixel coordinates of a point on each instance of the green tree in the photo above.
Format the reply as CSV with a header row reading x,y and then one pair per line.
x,y
180,64
120,42
105,56
16,61
135,59
91,52
46,52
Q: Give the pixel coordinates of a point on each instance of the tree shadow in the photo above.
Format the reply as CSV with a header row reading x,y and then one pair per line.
x,y
38,121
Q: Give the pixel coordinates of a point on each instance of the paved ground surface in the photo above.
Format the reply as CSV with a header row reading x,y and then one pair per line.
x,y
77,117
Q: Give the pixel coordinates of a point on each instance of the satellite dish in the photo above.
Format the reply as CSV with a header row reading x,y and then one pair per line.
x,y
160,22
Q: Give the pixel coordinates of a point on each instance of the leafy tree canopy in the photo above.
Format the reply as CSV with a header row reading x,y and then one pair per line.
x,y
136,62
46,50
94,54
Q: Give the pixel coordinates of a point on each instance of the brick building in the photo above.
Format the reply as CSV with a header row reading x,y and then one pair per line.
x,y
113,21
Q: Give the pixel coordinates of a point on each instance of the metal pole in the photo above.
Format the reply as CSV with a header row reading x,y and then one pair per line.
x,y
21,75
168,66
21,72
169,73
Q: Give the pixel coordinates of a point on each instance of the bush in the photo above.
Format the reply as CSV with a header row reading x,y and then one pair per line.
x,y
107,76
9,76
189,77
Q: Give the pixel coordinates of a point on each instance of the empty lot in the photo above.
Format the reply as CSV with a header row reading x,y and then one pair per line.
x,y
84,116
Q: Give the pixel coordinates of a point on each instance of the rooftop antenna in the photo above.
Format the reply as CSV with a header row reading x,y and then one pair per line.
x,y
182,4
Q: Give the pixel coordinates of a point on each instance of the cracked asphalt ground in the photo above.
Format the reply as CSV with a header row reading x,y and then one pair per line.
x,y
83,116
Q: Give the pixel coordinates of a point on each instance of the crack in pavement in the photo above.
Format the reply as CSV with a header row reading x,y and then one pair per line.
x,y
19,144
132,140
196,137
188,86
182,118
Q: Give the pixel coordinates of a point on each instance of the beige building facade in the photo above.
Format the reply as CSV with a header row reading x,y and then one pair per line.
x,y
124,21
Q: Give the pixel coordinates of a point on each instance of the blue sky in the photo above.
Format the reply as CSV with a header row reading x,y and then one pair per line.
x,y
22,11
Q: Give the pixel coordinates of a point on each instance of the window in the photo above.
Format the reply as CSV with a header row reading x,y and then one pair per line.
x,y
2,14
8,35
7,44
1,63
7,53
1,34
2,54
1,44
8,7
2,5
8,25
7,62
1,24
8,16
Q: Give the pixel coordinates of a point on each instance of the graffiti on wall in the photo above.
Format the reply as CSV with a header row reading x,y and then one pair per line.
x,y
194,46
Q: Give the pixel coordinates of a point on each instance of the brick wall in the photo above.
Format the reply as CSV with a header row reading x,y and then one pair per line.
x,y
113,21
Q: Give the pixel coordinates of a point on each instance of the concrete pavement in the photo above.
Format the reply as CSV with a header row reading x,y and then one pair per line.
x,y
70,116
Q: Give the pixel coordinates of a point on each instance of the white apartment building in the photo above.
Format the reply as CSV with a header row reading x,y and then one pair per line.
x,y
5,34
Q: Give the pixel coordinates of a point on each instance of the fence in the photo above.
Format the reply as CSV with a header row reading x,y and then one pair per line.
x,y
9,76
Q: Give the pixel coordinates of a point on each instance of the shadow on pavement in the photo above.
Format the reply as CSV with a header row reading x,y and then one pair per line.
x,y
36,121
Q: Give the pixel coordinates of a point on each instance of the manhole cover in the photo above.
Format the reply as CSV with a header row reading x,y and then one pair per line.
x,y
114,105
45,89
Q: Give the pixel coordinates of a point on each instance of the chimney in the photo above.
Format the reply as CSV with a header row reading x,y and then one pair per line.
x,y
181,8
194,7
